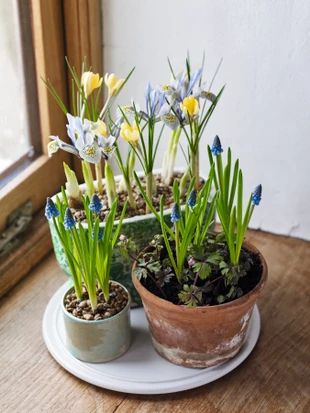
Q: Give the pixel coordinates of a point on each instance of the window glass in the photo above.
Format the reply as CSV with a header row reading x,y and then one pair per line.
x,y
15,145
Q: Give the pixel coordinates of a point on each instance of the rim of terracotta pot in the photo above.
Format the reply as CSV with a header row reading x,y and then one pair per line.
x,y
167,305
114,317
136,218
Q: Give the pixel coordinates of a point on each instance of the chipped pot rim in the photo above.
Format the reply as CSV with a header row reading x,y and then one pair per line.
x,y
168,305
94,322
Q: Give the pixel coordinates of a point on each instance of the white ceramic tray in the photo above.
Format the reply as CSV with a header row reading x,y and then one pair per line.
x,y
141,370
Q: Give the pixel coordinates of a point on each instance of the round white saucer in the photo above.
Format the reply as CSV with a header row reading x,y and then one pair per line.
x,y
141,370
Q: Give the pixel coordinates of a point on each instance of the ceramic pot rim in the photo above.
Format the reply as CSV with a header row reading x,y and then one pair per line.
x,y
93,322
136,218
167,305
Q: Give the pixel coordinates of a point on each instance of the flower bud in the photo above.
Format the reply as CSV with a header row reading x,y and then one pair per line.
x,y
216,146
130,133
51,209
113,83
190,106
257,195
69,221
175,214
95,204
90,81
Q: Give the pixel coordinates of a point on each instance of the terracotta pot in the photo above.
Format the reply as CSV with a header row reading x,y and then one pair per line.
x,y
201,336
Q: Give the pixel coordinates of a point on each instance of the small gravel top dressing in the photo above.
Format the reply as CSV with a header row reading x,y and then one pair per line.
x,y
160,189
82,308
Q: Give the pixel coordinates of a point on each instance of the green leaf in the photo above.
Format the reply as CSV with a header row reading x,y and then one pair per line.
x,y
204,271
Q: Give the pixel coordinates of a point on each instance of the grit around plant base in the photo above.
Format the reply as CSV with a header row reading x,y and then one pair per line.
x,y
96,309
202,286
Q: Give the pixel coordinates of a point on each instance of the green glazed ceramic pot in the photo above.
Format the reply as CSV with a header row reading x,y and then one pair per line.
x,y
141,229
98,341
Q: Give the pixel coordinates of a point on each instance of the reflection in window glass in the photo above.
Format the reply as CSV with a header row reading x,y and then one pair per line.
x,y
14,139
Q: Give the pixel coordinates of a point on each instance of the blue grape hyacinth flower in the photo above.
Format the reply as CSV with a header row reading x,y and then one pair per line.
x,y
69,221
100,234
192,199
95,204
257,195
51,209
175,213
216,146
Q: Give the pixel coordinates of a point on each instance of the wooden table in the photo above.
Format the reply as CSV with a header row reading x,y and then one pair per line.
x,y
275,378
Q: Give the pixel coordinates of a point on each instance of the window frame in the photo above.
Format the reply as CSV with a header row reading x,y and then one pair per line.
x,y
60,28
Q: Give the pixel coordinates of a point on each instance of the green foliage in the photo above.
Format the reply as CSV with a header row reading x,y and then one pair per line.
x,y
89,251
194,126
228,181
191,227
208,275
191,295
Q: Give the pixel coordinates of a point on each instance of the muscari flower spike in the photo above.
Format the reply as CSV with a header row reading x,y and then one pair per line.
x,y
192,198
100,234
69,221
51,209
216,146
175,213
257,195
95,204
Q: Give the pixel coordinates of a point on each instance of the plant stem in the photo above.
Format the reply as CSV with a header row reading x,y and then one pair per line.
x,y
149,189
170,155
196,278
110,184
155,282
177,251
92,298
194,161
183,182
98,169
131,198
88,178
104,108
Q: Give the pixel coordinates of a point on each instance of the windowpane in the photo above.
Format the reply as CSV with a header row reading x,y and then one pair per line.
x,y
16,147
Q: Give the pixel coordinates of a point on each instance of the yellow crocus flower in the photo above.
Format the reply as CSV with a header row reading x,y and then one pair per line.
x,y
113,83
130,133
190,106
100,128
90,81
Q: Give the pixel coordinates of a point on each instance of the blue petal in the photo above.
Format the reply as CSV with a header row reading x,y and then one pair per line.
x,y
69,221
194,79
51,209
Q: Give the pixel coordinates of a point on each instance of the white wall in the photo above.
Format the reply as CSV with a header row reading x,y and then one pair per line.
x,y
264,112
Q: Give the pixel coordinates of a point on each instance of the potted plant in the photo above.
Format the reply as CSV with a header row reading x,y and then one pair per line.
x,y
199,288
182,105
96,309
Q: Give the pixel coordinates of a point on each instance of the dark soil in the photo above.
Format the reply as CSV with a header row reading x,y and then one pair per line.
x,y
159,190
82,308
246,284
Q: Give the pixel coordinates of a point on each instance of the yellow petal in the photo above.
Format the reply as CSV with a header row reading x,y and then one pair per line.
x,y
90,81
190,106
100,128
113,83
130,133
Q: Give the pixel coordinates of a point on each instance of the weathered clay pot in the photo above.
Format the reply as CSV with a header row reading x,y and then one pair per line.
x,y
201,336
100,340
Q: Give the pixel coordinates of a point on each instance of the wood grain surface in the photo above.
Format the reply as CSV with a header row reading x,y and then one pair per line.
x,y
275,378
